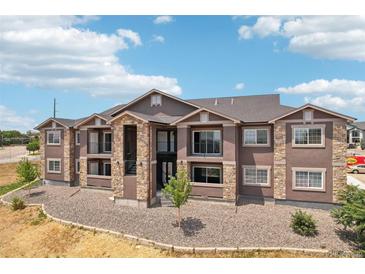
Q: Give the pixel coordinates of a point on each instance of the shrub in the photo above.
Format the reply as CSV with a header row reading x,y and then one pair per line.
x,y
17,204
33,145
351,213
40,218
26,171
303,223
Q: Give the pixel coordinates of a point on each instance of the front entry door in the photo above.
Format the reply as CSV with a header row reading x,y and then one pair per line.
x,y
165,168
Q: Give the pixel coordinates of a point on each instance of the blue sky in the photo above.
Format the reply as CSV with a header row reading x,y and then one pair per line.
x,y
92,63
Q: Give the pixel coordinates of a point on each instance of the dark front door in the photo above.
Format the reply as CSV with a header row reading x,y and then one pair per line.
x,y
166,167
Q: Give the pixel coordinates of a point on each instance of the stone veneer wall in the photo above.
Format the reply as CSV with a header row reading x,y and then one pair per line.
x,y
279,160
229,182
42,152
83,171
69,155
184,165
339,147
143,161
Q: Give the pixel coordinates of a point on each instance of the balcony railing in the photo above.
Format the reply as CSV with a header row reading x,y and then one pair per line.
x,y
99,147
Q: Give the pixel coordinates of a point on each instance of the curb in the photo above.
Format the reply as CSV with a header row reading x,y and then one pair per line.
x,y
170,247
14,190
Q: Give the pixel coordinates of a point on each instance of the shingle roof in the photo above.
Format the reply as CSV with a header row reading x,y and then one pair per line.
x,y
164,119
255,108
360,125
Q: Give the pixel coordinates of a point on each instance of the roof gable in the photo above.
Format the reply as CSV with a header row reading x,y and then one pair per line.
x,y
88,119
66,123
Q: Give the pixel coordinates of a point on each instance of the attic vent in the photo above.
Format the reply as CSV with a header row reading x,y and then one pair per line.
x,y
216,102
232,101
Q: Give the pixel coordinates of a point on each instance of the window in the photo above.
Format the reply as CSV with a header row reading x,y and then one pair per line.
x,y
256,175
204,117
256,137
166,141
94,168
107,169
53,137
355,136
207,142
307,115
308,179
211,175
308,136
155,100
97,121
77,138
77,166
54,165
107,142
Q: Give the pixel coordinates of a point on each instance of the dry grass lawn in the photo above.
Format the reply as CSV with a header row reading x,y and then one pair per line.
x,y
7,173
24,234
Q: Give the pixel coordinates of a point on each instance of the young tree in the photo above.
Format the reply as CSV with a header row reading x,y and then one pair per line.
x,y
178,190
26,171
33,146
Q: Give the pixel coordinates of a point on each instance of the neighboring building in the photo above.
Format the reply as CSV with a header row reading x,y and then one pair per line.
x,y
355,133
230,147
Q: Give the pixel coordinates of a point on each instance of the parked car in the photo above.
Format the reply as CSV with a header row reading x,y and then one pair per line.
x,y
351,146
357,169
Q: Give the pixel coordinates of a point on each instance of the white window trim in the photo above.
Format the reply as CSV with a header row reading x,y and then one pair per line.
x,y
77,133
202,115
268,144
105,163
268,168
323,139
54,171
309,169
104,133
207,154
212,167
54,144
77,161
156,104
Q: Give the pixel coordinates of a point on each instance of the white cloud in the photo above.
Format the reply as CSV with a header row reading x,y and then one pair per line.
x,y
130,35
330,37
163,19
9,120
239,86
158,39
337,94
60,56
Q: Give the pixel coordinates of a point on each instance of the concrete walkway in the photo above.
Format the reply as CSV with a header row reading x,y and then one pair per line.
x,y
351,180
204,224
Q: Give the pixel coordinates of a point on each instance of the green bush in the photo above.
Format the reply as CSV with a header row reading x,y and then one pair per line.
x,y
33,145
17,204
40,218
303,223
26,171
351,213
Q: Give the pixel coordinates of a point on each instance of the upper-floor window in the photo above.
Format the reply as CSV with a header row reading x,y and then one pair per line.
x,y
307,115
308,136
156,100
107,145
77,138
256,136
166,140
204,117
207,142
53,137
97,121
308,178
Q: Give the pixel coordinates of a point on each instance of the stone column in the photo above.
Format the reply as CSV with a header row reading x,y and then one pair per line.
x,y
339,147
68,155
229,182
279,160
83,171
143,162
42,152
117,159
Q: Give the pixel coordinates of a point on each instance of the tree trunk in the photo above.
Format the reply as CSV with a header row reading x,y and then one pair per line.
x,y
178,217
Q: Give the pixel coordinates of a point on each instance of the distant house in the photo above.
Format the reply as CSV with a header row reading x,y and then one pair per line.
x,y
355,133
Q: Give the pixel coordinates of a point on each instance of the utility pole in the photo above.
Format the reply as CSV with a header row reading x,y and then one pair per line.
x,y
54,107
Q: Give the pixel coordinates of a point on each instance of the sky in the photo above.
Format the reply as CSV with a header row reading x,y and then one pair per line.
x,y
91,63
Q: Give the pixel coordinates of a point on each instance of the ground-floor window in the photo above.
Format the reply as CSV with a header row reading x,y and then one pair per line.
x,y
308,179
256,175
77,166
206,174
107,169
54,165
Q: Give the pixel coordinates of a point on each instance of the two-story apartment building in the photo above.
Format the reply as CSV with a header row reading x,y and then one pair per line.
x,y
230,147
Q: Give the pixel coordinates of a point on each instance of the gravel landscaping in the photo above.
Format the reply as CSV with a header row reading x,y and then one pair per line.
x,y
205,224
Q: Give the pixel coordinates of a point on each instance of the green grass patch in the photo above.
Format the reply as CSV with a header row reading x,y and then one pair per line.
x,y
7,188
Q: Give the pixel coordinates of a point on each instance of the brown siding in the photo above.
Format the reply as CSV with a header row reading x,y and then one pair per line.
x,y
207,192
256,156
54,151
99,182
212,117
130,187
311,158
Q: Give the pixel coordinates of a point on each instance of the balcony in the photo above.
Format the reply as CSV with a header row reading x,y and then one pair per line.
x,y
99,173
99,149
